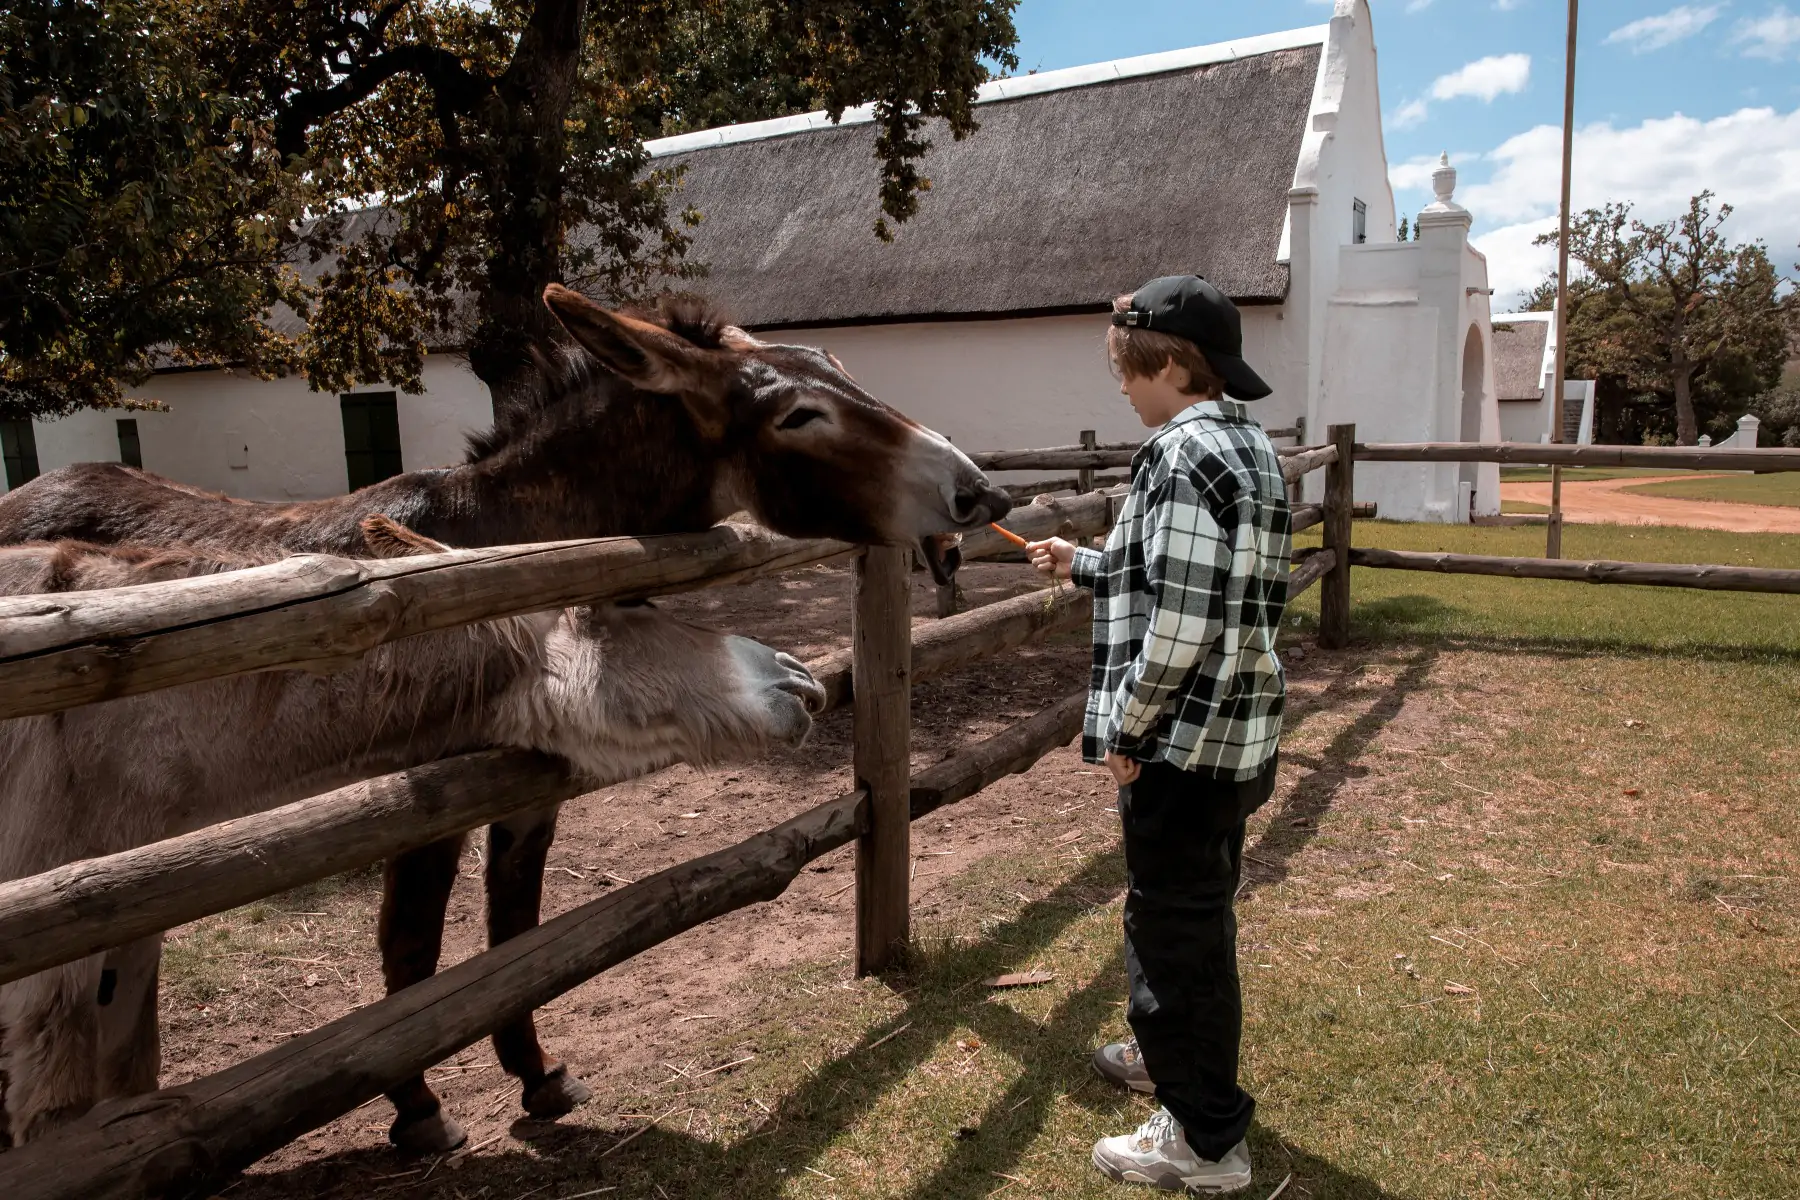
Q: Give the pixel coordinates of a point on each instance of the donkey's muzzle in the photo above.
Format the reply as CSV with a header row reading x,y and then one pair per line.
x,y
977,504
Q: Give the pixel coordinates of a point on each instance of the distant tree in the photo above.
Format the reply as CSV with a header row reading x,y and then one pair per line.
x,y
504,141
1673,309
141,213
1404,227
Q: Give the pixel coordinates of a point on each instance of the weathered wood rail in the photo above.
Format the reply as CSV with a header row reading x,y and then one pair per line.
x,y
1675,458
1335,514
1678,575
320,612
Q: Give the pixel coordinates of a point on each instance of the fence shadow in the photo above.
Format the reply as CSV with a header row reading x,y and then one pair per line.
x,y
942,997
1415,620
1296,822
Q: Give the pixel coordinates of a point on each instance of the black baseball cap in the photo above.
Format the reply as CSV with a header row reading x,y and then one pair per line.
x,y
1189,307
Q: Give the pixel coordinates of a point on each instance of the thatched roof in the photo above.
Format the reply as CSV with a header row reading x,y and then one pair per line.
x,y
1068,194
1519,357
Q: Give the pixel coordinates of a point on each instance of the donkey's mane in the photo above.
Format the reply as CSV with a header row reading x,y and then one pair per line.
x,y
566,373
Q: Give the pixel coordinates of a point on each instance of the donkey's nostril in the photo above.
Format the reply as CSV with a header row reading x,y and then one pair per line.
x,y
979,504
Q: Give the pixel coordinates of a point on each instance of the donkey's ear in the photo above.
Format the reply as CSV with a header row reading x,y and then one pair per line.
x,y
648,355
385,537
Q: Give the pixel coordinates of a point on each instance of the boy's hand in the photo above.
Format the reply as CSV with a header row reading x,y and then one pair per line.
x,y
1052,556
1124,770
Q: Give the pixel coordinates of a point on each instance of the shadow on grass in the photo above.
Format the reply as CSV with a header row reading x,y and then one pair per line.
x,y
943,996
1296,822
1415,619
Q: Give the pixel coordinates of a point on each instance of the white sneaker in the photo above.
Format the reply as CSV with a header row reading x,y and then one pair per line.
x,y
1158,1154
1122,1065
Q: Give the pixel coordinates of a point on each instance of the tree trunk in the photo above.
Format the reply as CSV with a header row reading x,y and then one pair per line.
x,y
526,197
1687,427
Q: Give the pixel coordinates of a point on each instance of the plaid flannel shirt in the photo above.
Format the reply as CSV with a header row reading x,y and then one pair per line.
x,y
1188,596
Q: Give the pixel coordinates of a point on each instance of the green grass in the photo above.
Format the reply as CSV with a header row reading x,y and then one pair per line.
x,y
1419,607
1577,474
1522,506
1780,489
1524,922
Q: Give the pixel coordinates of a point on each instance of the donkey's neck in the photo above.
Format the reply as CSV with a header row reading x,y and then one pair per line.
x,y
636,465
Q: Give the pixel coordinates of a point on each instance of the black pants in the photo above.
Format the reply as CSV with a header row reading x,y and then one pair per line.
x,y
1184,846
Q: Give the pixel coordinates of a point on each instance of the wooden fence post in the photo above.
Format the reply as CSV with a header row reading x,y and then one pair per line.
x,y
1297,489
1340,499
881,666
1084,478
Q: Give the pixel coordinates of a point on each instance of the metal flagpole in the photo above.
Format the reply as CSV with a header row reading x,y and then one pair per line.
x,y
1553,547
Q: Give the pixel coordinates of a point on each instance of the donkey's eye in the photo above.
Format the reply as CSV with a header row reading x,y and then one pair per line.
x,y
799,417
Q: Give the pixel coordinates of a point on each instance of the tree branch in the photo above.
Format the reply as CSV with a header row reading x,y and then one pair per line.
x,y
453,85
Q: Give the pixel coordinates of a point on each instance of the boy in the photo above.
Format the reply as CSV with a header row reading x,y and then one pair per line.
x,y
1184,708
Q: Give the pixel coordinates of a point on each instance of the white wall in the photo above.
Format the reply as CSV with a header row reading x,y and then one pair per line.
x,y
1521,420
1343,158
1025,382
287,440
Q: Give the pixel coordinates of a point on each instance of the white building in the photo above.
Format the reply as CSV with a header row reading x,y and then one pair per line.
x,y
1524,364
1257,163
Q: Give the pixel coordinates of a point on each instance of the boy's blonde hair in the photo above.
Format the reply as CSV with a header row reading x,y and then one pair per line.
x,y
1141,353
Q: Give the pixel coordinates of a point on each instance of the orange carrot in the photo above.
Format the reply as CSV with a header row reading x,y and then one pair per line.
x,y
1008,534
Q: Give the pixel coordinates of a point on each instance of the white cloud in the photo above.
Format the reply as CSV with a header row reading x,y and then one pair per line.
x,y
1750,158
1654,33
1485,78
1773,35
1414,174
1408,114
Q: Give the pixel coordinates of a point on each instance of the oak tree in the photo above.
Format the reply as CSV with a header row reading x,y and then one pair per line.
x,y
1674,309
449,159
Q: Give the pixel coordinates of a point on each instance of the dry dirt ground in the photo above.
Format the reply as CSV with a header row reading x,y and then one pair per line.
x,y
1608,502
243,982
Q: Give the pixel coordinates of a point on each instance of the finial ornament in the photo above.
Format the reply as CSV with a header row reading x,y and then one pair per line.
x,y
1443,180
1443,183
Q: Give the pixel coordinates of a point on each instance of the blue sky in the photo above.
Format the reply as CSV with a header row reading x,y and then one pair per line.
x,y
1670,98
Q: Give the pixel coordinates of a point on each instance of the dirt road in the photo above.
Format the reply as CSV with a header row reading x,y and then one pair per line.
x,y
1607,502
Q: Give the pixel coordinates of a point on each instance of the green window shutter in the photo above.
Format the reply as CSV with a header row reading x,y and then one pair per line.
x,y
371,437
131,453
18,446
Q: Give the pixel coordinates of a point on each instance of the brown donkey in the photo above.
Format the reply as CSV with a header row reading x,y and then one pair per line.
x,y
612,689
657,423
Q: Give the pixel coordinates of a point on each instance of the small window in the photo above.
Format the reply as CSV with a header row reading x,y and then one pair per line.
x,y
130,453
1359,222
18,445
371,438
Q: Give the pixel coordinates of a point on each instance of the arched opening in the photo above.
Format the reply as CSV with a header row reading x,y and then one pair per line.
x,y
1474,371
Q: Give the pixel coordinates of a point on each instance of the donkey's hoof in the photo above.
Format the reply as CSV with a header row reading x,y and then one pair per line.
x,y
557,1094
423,1136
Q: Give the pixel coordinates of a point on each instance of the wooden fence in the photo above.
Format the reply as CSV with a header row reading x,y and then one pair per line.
x,y
1334,607
320,612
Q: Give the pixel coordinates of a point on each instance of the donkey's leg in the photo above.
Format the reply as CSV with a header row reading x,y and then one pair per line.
x,y
517,848
130,1057
415,894
47,1034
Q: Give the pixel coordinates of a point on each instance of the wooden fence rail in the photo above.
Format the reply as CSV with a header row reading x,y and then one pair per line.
x,y
87,906
1681,575
318,611
182,1140
1687,458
